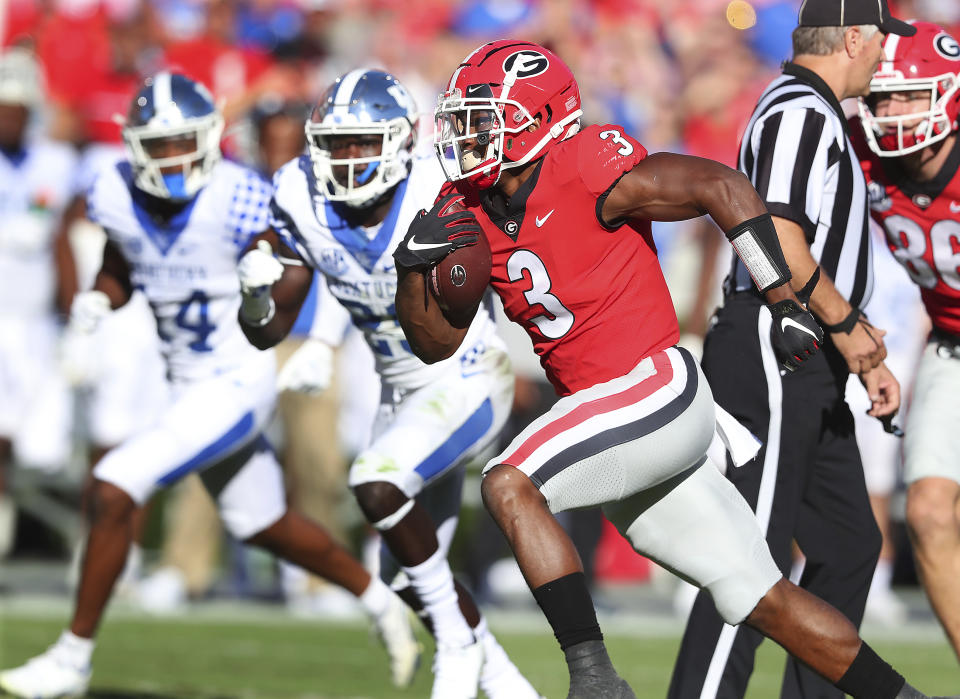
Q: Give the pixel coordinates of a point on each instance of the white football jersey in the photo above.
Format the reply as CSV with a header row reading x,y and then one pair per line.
x,y
35,188
358,262
187,267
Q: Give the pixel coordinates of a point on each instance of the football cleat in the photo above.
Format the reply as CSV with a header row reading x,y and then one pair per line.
x,y
456,671
600,688
509,684
500,678
592,675
46,676
910,692
395,632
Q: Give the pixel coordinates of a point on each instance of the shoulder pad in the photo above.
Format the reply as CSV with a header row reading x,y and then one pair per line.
x,y
605,153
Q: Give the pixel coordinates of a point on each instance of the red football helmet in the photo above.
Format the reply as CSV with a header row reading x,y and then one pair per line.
x,y
929,61
494,97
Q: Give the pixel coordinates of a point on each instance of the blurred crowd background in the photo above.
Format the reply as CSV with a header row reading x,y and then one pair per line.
x,y
681,75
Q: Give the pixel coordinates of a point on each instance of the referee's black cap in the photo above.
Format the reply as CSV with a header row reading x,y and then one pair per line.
x,y
849,13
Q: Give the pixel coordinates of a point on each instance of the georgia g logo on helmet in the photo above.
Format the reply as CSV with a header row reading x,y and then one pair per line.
x,y
531,63
947,46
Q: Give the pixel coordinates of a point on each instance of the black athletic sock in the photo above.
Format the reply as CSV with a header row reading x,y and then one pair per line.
x,y
870,677
568,607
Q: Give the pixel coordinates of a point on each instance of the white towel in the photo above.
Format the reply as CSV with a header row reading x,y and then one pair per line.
x,y
733,437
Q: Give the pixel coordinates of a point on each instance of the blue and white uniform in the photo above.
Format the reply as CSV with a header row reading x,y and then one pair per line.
x,y
35,188
222,388
126,390
433,419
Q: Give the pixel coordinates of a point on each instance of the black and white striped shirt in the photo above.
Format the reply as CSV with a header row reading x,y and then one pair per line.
x,y
798,156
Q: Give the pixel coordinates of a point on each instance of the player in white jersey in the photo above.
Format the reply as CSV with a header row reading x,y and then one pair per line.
x,y
177,217
342,210
35,179
122,380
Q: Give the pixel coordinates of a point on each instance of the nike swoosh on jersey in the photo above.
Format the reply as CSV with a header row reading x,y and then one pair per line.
x,y
955,207
541,221
414,245
790,322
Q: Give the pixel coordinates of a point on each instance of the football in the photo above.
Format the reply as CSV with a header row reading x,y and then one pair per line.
x,y
459,280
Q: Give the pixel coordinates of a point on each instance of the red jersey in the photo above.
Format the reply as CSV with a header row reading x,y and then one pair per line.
x,y
921,222
592,298
225,69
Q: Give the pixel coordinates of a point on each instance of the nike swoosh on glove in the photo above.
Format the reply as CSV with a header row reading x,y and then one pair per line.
x,y
436,233
795,335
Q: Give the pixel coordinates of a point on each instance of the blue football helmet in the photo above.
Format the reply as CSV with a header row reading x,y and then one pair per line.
x,y
173,109
362,103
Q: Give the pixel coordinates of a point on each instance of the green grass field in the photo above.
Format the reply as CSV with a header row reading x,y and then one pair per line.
x,y
269,655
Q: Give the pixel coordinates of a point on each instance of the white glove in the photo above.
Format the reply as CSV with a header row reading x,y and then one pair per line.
x,y
308,370
79,350
87,310
258,270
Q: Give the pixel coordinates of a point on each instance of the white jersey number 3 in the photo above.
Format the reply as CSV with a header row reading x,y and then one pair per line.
x,y
560,319
626,148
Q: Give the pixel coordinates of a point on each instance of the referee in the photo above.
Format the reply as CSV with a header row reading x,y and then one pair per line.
x,y
806,483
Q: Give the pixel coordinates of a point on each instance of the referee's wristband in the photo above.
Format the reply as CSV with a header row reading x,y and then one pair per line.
x,y
846,325
756,244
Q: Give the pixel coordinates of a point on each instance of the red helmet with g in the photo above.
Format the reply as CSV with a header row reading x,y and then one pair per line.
x,y
506,104
927,65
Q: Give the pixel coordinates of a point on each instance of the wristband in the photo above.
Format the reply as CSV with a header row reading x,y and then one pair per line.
x,y
846,325
260,316
758,247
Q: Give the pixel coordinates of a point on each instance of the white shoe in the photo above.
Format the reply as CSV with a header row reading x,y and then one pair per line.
x,y
456,671
885,608
163,592
46,676
509,685
502,679
395,632
328,602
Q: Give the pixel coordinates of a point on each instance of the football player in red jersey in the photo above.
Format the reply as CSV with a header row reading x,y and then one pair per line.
x,y
566,213
911,157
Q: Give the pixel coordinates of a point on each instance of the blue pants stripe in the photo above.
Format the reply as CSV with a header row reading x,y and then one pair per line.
x,y
466,435
221,447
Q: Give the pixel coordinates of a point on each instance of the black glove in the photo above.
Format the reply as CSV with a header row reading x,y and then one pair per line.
x,y
795,335
436,233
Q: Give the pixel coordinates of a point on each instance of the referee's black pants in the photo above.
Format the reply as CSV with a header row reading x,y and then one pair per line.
x,y
806,483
